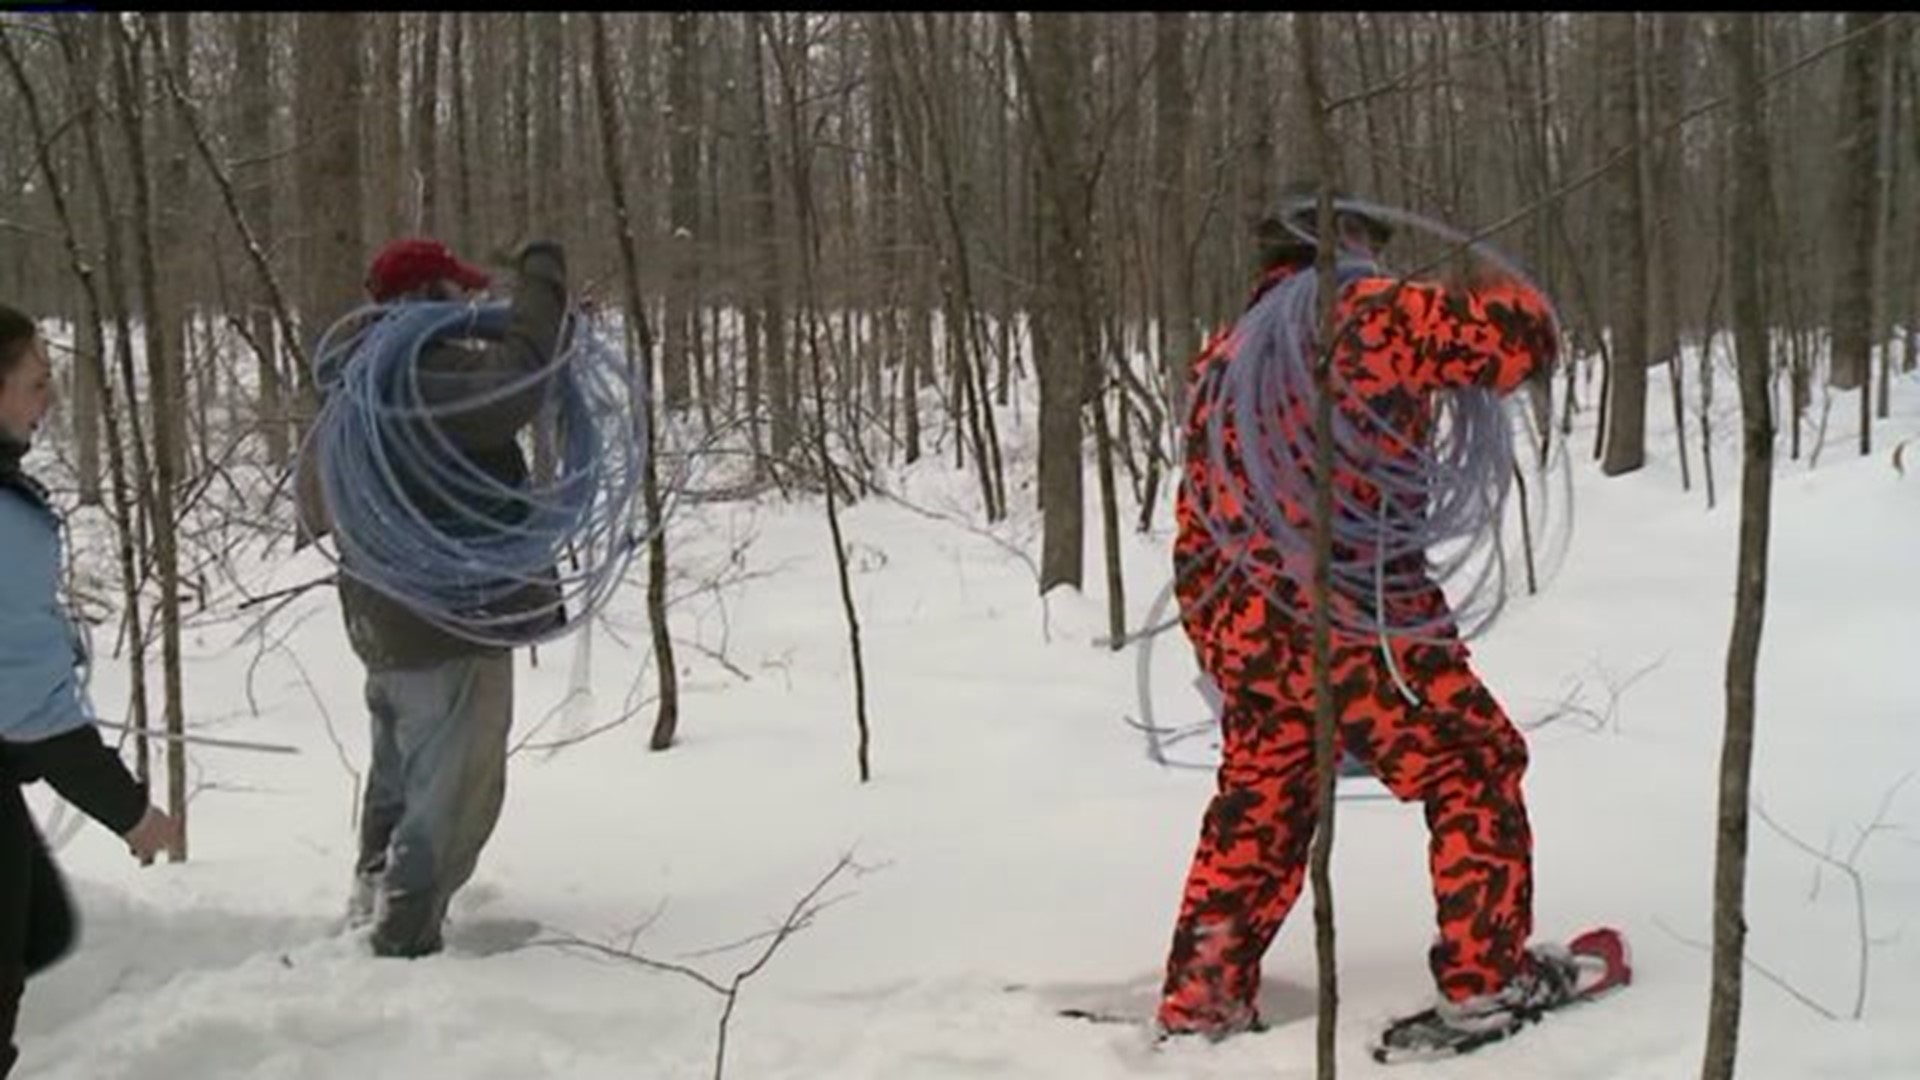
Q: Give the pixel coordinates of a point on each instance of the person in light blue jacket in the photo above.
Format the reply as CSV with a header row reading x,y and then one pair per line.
x,y
47,731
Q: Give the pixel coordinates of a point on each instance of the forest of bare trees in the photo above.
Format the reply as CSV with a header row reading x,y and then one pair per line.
x,y
947,199
903,218
856,240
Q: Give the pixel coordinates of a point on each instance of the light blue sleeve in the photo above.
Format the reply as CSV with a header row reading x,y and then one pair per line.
x,y
39,691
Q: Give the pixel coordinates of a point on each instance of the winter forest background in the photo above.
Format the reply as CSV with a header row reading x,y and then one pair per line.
x,y
851,250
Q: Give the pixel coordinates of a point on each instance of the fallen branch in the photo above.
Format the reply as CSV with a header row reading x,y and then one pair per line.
x,y
198,740
1757,968
287,593
1848,867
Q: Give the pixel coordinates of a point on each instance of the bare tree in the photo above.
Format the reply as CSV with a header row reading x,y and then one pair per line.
x,y
772,377
1661,72
542,161
683,169
83,46
390,189
458,70
1054,81
253,90
1859,214
640,341
425,128
938,169
172,194
802,182
1626,414
163,377
1750,595
327,87
92,358
519,165
1172,266
1325,721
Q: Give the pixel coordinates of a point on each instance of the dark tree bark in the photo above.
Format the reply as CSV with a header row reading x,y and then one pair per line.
x,y
1054,81
1857,207
683,171
1750,593
613,158
1626,415
253,179
163,378
426,127
1325,722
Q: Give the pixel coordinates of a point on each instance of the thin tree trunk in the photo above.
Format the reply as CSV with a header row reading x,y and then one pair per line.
x,y
966,344
1856,212
683,151
1886,174
1326,156
546,214
1110,526
1721,260
327,89
1054,85
884,108
172,196
1664,188
1750,595
1173,101
640,334
810,313
243,222
390,191
426,127
163,377
520,125
83,45
463,223
1626,409
87,407
254,91
782,412
93,359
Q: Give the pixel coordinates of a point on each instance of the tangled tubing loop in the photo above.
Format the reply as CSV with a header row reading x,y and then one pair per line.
x,y
417,520
1440,507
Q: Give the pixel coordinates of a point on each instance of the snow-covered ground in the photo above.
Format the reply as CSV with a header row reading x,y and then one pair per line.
x,y
1018,850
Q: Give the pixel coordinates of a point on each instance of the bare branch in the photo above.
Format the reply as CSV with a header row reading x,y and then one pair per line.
x,y
1757,968
799,917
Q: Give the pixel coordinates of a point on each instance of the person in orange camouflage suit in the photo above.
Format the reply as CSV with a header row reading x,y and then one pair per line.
x,y
1246,609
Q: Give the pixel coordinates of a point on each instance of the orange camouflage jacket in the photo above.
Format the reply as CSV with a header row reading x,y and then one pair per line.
x,y
1400,343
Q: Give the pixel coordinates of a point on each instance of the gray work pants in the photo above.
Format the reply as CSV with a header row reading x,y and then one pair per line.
x,y
434,790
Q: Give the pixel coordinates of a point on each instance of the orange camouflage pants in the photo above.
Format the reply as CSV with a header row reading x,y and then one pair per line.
x,y
1455,752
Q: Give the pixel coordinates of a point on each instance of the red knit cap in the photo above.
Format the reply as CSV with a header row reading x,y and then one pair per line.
x,y
410,264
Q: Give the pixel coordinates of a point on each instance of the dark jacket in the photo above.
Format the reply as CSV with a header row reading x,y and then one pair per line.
x,y
384,633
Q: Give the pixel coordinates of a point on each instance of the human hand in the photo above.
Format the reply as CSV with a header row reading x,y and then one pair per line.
x,y
154,833
1468,272
511,253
